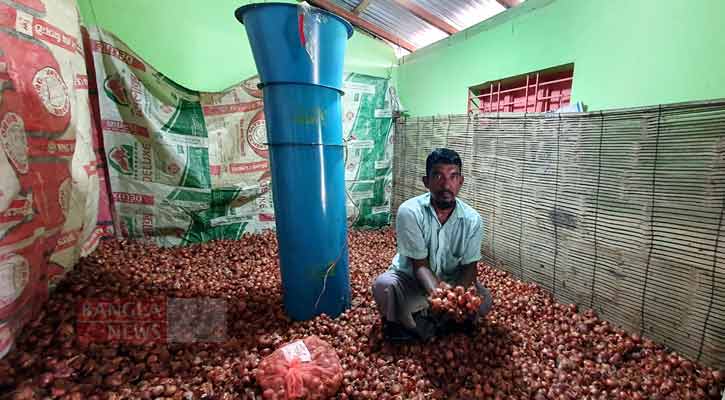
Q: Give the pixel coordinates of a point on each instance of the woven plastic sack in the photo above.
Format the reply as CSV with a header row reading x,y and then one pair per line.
x,y
302,369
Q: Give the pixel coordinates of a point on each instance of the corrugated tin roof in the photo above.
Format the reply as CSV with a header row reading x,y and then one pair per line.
x,y
397,20
462,13
394,18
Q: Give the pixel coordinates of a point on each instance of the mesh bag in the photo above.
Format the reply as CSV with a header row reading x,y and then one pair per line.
x,y
302,369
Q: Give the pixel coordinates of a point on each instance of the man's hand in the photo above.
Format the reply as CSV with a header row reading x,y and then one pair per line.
x,y
469,275
425,276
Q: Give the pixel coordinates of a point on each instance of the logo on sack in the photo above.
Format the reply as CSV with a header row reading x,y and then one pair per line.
x,y
257,135
121,159
173,168
52,91
13,140
115,90
23,22
14,276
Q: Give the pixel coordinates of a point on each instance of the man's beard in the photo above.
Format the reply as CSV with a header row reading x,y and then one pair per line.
x,y
444,204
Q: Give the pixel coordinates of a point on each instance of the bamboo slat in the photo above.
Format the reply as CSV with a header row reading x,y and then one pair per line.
x,y
620,211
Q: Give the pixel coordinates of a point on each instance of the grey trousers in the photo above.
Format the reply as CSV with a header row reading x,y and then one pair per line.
x,y
400,298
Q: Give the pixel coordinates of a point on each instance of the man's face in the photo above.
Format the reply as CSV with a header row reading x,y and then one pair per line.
x,y
444,182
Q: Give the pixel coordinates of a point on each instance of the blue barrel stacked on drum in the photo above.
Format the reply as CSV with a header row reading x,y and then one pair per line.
x,y
299,53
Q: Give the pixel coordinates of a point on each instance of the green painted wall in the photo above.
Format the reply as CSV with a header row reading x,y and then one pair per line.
x,y
626,53
200,45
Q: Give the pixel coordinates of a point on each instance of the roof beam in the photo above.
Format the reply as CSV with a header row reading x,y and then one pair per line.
x,y
426,16
508,3
357,21
361,7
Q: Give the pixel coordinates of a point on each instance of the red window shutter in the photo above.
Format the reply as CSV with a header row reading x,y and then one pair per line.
x,y
539,91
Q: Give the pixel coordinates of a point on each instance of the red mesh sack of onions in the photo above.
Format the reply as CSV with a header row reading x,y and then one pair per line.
x,y
303,369
455,302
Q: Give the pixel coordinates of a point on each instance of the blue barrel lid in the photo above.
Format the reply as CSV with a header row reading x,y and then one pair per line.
x,y
239,13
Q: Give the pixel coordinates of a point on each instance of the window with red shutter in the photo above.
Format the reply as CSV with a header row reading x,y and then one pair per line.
x,y
539,91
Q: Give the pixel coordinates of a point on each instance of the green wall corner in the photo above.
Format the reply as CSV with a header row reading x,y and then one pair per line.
x,y
626,53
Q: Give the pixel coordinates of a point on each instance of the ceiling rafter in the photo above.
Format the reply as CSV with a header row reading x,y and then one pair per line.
x,y
508,3
363,24
426,16
361,7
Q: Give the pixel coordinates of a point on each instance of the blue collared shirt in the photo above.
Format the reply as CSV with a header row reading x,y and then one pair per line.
x,y
448,247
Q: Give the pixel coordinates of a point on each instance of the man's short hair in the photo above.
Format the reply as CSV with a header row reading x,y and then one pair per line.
x,y
442,156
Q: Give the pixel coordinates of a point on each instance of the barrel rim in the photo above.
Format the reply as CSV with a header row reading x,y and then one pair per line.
x,y
262,85
243,9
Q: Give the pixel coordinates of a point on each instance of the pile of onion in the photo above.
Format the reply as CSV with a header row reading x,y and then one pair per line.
x,y
456,303
528,347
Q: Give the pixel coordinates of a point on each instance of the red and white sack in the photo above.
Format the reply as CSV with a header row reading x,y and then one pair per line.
x,y
303,369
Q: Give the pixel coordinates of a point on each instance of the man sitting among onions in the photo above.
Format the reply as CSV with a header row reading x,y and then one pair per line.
x,y
439,245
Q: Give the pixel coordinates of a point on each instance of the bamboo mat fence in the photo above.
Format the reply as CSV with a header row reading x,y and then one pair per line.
x,y
620,211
